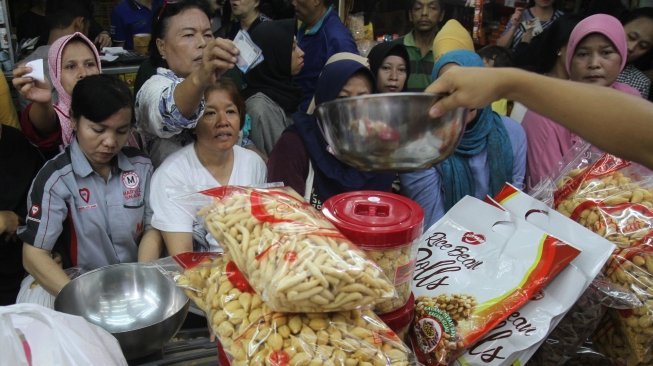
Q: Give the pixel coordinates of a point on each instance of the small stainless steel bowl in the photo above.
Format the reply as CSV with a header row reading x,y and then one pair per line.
x,y
136,303
391,131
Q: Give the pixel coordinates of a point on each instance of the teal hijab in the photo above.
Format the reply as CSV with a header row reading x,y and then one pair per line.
x,y
485,133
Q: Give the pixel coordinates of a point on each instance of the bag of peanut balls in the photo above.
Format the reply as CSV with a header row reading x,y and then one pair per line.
x,y
614,198
252,334
475,267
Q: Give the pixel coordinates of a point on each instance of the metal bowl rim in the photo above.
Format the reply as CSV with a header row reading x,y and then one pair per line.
x,y
423,95
135,264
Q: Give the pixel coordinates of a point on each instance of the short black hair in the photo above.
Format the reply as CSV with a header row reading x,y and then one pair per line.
x,y
502,56
160,23
98,97
411,4
61,13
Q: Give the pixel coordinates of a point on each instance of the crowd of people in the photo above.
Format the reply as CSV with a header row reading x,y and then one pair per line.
x,y
92,169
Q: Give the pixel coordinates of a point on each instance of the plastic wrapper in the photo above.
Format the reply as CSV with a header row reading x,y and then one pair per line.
x,y
291,254
518,337
614,198
475,268
252,334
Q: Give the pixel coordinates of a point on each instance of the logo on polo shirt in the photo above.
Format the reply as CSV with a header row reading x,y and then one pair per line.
x,y
35,210
130,180
85,194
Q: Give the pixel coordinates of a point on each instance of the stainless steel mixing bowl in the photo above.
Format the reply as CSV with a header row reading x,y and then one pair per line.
x,y
389,131
136,303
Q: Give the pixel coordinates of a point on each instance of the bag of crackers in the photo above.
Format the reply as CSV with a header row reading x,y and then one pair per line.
x,y
252,334
614,198
290,253
475,267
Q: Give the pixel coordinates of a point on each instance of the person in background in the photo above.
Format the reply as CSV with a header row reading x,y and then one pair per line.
x,y
497,56
247,15
213,160
390,65
272,97
638,25
452,36
320,36
63,18
425,15
542,11
8,114
301,159
100,186
188,60
32,23
596,53
131,17
19,163
492,151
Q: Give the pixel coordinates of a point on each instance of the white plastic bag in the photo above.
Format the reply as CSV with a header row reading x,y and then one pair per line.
x,y
32,293
33,335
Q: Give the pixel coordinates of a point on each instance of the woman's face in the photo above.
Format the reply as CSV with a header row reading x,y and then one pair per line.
x,y
219,126
100,142
639,34
242,8
391,76
544,3
184,41
296,59
355,86
77,62
595,61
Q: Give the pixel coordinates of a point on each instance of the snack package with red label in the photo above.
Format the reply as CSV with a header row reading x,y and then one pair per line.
x,y
251,334
291,254
475,267
614,198
518,337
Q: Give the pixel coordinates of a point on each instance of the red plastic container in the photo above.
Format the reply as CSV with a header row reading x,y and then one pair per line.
x,y
399,320
385,225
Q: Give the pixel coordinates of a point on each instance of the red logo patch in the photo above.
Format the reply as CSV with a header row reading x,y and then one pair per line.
x,y
473,239
35,210
85,194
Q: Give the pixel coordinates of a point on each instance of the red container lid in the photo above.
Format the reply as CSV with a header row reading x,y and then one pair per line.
x,y
375,219
400,318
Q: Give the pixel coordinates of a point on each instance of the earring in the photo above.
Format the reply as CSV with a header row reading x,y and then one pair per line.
x,y
559,53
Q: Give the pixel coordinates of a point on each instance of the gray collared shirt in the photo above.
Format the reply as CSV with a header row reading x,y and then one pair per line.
x,y
107,217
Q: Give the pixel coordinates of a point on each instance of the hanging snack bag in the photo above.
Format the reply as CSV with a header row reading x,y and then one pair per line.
x,y
475,267
251,334
614,198
291,254
523,332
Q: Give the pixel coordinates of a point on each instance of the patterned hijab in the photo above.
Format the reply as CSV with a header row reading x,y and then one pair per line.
x,y
62,107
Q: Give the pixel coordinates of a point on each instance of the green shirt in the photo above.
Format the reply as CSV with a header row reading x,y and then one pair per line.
x,y
420,66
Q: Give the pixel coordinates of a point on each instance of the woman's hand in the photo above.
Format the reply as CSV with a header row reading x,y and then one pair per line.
x,y
103,40
8,224
219,56
515,18
31,89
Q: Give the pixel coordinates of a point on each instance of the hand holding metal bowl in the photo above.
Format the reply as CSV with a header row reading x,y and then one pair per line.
x,y
134,302
391,131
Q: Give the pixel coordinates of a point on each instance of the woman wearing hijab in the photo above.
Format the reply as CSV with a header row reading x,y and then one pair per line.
x,y
492,152
390,66
46,121
301,158
596,54
271,95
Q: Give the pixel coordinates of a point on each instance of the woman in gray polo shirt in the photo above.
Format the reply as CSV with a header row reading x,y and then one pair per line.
x,y
95,183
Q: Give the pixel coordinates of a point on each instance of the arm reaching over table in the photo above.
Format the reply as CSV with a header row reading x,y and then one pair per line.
x,y
614,121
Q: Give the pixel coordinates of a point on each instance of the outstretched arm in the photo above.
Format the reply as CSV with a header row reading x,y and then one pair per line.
x,y
614,121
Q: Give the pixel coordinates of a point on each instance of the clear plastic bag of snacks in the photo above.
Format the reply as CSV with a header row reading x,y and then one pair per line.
x,y
614,198
475,268
290,253
252,334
